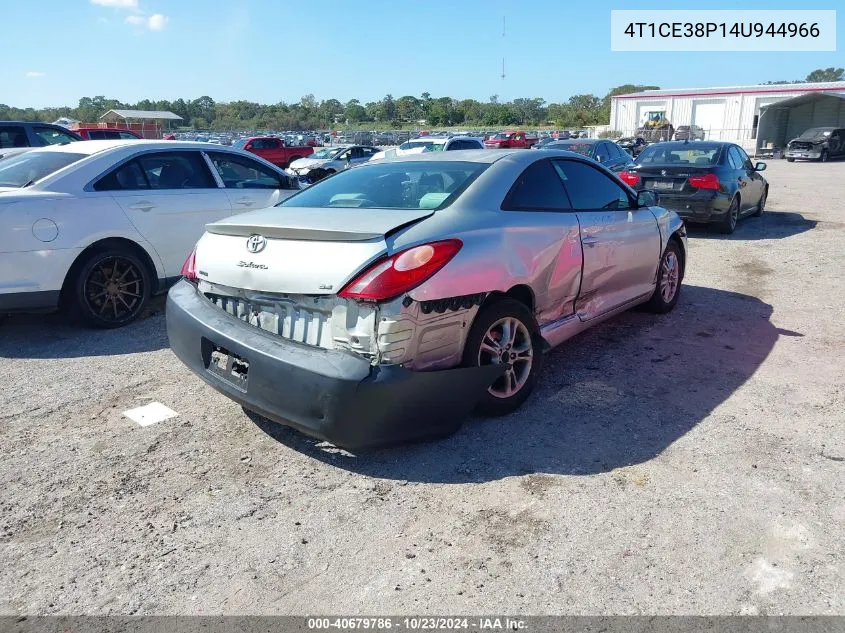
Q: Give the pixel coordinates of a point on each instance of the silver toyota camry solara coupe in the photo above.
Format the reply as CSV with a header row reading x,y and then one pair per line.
x,y
388,301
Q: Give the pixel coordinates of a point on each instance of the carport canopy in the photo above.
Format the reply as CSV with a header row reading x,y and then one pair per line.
x,y
782,121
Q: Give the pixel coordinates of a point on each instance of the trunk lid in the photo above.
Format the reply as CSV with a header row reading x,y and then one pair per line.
x,y
304,251
668,178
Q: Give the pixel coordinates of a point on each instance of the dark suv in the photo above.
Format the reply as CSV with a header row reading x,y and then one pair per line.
x,y
17,134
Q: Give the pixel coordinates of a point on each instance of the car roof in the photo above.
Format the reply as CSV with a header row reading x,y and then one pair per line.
x,y
577,141
94,147
480,156
693,143
38,123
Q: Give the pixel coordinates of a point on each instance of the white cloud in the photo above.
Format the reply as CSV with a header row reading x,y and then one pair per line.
x,y
157,22
34,73
117,4
137,20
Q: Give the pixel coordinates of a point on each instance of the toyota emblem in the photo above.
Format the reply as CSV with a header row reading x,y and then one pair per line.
x,y
662,173
256,243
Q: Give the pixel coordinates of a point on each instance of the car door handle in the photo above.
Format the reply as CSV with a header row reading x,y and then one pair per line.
x,y
589,240
142,206
245,201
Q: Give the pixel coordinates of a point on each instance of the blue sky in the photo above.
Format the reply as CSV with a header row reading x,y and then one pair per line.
x,y
278,50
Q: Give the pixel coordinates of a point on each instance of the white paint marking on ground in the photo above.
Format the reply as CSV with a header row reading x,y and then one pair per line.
x,y
150,414
768,577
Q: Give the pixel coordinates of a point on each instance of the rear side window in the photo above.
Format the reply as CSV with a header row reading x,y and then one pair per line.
x,y
162,170
590,189
538,188
127,135
177,170
127,177
240,172
12,136
101,135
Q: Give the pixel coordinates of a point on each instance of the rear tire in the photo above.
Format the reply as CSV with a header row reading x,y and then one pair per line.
x,y
109,289
293,158
670,274
728,224
505,332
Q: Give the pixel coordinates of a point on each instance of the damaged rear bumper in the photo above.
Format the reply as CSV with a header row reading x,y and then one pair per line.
x,y
332,395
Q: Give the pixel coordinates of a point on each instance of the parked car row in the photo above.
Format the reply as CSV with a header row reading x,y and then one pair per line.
x,y
380,304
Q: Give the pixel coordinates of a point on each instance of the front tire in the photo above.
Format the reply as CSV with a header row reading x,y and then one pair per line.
x,y
670,274
109,289
823,157
790,160
505,332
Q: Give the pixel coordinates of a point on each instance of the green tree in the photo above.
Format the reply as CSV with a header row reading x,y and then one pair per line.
x,y
354,111
826,74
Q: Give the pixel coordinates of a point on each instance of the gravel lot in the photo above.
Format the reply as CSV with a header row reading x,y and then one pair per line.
x,y
691,463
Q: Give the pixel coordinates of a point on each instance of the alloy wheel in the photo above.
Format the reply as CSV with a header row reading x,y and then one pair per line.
x,y
114,289
670,273
508,341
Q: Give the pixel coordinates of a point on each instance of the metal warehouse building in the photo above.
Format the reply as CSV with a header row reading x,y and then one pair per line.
x,y
742,114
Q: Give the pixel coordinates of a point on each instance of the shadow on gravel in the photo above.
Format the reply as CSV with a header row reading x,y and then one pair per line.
x,y
772,225
51,336
617,395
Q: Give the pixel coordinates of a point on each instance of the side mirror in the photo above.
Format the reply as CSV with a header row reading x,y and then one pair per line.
x,y
760,167
600,158
647,199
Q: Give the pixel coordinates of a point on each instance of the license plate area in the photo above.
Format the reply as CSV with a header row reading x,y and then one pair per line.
x,y
225,365
662,184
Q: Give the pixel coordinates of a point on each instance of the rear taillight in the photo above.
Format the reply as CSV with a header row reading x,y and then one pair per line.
x,y
189,268
707,181
630,177
391,276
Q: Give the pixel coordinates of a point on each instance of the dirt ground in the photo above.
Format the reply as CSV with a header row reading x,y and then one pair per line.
x,y
686,464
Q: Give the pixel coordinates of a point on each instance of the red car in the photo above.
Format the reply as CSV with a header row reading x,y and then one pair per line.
x,y
105,133
510,140
273,149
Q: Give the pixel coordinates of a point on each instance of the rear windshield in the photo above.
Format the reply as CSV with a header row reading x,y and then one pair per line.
x,y
587,149
399,185
30,167
429,146
697,154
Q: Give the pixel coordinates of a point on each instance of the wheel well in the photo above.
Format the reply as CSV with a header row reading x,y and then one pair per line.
x,y
105,244
520,292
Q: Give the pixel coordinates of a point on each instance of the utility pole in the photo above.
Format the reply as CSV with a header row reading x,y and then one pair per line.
x,y
503,37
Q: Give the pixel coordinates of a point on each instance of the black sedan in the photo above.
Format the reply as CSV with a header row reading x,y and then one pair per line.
x,y
703,181
605,152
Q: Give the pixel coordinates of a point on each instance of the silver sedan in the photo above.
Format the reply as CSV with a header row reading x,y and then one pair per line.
x,y
386,302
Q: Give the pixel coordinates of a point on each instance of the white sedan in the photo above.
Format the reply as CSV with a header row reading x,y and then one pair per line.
x,y
98,227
